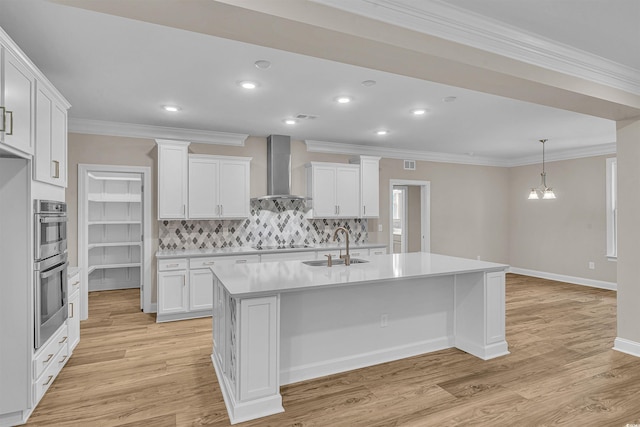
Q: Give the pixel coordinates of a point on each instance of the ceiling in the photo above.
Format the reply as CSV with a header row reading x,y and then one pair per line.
x,y
120,70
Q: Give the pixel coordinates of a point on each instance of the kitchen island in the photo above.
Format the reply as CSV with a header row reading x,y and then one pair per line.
x,y
277,323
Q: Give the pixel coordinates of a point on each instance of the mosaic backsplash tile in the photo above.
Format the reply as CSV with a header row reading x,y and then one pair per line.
x,y
272,223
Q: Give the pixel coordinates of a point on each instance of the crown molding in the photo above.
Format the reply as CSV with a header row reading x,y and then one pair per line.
x,y
575,153
437,18
99,127
395,153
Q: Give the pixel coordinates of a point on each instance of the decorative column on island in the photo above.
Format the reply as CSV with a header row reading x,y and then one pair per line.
x,y
278,323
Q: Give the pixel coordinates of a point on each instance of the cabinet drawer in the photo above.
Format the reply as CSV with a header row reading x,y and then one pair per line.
x,y
203,262
46,355
378,251
45,380
287,256
172,264
241,259
73,285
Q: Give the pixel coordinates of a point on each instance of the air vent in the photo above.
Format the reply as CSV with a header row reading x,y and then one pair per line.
x,y
410,165
306,117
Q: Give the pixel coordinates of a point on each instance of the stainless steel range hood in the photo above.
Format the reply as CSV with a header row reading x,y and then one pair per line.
x,y
279,169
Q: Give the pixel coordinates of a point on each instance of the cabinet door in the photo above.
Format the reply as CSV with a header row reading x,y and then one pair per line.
x,y
43,170
234,188
59,145
173,164
495,307
370,188
200,290
324,191
348,191
73,321
203,188
19,88
172,292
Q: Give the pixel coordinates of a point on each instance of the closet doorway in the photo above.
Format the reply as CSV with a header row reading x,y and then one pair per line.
x,y
114,230
409,219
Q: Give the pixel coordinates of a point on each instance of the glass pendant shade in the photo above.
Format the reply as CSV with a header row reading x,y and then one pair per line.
x,y
533,194
548,194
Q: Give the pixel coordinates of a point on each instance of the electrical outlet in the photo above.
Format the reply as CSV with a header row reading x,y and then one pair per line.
x,y
592,265
384,321
478,258
379,227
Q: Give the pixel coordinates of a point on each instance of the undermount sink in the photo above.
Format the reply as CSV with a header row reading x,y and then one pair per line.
x,y
339,261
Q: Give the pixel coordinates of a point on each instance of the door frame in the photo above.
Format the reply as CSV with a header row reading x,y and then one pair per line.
x,y
405,217
425,210
83,232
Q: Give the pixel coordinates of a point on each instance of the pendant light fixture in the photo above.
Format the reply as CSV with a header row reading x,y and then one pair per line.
x,y
542,190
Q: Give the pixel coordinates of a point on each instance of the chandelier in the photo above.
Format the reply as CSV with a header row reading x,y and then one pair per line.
x,y
542,191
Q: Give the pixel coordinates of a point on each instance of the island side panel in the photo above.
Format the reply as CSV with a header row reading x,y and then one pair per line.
x,y
325,331
479,314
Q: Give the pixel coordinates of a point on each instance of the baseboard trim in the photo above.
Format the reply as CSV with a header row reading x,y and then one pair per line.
x,y
611,286
627,346
349,363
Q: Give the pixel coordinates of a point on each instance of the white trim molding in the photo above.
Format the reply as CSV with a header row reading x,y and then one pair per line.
x,y
611,286
627,346
574,153
395,153
131,130
439,19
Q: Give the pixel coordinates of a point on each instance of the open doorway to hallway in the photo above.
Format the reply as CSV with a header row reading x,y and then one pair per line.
x,y
409,219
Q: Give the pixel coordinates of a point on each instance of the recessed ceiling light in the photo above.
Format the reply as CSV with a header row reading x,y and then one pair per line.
x,y
344,99
418,112
171,108
449,98
290,121
248,85
382,132
262,64
368,83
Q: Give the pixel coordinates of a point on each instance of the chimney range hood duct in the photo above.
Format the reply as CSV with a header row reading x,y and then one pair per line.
x,y
279,169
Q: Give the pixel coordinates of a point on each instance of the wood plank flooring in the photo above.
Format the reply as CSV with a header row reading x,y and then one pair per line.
x,y
130,371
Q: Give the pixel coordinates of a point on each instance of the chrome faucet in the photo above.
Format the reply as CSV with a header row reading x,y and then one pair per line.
x,y
346,257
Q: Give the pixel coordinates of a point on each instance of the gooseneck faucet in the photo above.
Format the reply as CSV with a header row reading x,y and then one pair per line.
x,y
346,257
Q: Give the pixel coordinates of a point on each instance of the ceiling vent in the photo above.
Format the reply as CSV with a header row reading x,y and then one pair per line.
x,y
410,165
306,117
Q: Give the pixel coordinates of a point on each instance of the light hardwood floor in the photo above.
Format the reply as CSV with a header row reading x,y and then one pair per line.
x,y
130,371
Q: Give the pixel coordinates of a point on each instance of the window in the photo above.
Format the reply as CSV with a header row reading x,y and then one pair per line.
x,y
612,208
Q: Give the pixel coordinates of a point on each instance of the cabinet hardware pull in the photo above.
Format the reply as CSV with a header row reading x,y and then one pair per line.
x,y
3,121
71,304
63,358
184,209
63,340
338,209
48,358
364,210
209,263
10,113
56,164
241,261
48,380
172,265
221,210
184,281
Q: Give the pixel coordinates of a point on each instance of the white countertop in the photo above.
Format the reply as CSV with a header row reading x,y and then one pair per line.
x,y
248,250
288,276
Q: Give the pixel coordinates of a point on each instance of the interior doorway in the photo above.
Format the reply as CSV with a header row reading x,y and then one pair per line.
x,y
409,219
114,230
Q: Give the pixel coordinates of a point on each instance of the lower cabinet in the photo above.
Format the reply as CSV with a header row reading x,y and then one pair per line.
x,y
73,322
48,362
185,286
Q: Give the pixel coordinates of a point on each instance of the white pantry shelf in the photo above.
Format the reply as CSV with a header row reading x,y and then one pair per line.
x,y
117,198
110,266
112,244
117,222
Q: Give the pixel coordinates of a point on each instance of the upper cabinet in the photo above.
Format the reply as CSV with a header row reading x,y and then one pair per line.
x,y
51,139
201,186
369,186
16,103
219,187
334,190
173,175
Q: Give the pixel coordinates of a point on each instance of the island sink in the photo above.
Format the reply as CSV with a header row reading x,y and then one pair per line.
x,y
339,261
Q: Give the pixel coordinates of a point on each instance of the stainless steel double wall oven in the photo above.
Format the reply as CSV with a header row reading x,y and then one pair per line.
x,y
50,275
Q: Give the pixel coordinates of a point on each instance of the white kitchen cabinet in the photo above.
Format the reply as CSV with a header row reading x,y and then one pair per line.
x,y
51,139
200,289
334,190
73,319
369,185
172,292
173,176
218,187
16,103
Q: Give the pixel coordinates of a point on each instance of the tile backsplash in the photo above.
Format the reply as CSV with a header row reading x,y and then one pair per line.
x,y
271,223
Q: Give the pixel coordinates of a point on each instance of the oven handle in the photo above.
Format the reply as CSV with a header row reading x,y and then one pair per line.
x,y
49,273
52,219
